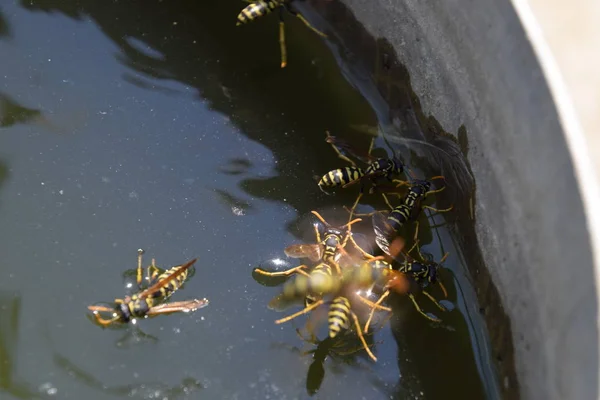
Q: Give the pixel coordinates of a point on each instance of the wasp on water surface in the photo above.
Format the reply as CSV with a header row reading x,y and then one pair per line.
x,y
330,246
422,273
387,227
343,288
151,301
328,250
259,8
376,168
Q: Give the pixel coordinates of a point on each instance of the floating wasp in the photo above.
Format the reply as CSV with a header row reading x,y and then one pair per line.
x,y
377,168
147,302
259,8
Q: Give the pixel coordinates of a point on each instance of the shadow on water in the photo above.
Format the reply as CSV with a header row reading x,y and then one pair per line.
x,y
140,390
12,113
4,28
237,73
10,307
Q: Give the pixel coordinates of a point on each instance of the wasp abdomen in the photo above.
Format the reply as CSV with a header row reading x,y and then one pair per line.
x,y
340,177
338,316
257,10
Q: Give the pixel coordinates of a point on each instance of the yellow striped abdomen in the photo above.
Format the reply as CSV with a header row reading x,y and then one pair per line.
x,y
256,10
173,285
340,177
338,316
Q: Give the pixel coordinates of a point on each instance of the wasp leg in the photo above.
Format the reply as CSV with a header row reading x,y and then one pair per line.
x,y
416,240
361,337
178,306
338,152
373,305
434,319
153,271
99,319
140,270
360,249
441,307
435,191
354,205
400,182
371,146
296,14
387,202
318,32
105,322
438,210
372,313
282,39
366,215
349,231
443,288
299,313
299,269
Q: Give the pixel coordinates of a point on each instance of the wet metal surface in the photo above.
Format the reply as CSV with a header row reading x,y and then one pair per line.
x,y
163,126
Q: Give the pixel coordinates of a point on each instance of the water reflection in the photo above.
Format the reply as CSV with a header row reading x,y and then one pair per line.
x,y
4,28
10,313
12,113
330,355
187,386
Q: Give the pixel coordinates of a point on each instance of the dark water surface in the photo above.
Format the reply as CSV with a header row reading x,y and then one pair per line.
x,y
160,125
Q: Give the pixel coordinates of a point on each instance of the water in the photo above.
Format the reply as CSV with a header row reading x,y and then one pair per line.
x,y
161,125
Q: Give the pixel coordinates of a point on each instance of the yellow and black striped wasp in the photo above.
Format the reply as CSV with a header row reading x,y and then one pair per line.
x,y
344,289
259,8
420,273
386,168
151,301
387,224
327,252
328,249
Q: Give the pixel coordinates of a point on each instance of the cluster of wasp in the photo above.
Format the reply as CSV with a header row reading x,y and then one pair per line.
x,y
342,275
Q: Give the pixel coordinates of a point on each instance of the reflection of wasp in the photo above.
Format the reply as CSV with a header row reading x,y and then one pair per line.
x,y
261,7
343,288
146,302
386,228
377,168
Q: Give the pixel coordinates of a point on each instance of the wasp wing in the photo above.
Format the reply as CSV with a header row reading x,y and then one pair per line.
x,y
178,306
314,252
163,282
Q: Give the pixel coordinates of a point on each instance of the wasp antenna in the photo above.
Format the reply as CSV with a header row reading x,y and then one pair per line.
x,y
354,221
316,214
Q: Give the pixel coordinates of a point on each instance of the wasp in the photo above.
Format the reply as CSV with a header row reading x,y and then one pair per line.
x,y
421,273
386,228
259,8
347,176
151,301
328,249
